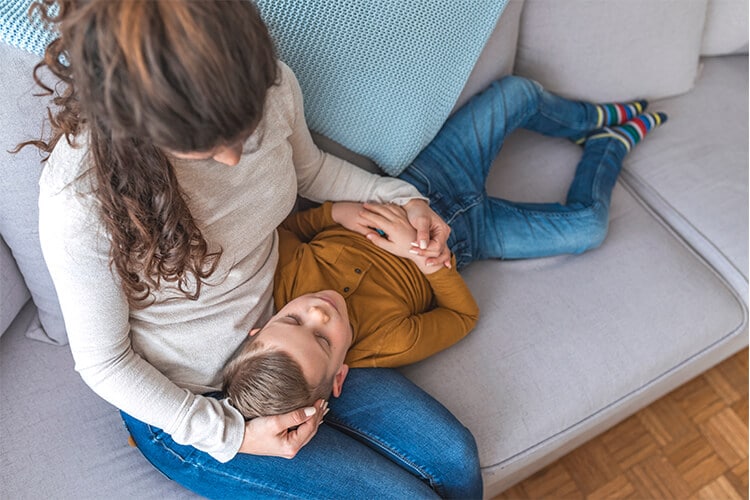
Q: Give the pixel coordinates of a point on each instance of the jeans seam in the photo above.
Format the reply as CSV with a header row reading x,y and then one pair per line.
x,y
428,185
571,213
595,189
200,467
436,486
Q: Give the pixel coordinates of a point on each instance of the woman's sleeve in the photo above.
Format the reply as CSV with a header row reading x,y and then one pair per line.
x,y
322,176
96,316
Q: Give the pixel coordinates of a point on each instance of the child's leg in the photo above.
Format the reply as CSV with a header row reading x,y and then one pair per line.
x,y
464,149
525,230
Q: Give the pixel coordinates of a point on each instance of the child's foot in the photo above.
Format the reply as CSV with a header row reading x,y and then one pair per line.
x,y
618,113
615,113
633,131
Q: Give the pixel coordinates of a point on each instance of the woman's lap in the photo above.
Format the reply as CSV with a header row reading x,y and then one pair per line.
x,y
412,443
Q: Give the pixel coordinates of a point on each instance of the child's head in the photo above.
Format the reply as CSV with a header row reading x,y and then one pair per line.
x,y
294,360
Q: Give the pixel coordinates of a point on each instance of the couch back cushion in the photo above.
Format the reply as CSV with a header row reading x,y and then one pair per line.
x,y
22,114
726,29
610,50
13,291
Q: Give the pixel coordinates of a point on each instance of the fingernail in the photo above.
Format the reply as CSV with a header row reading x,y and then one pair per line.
x,y
326,412
423,244
448,265
309,411
415,252
414,244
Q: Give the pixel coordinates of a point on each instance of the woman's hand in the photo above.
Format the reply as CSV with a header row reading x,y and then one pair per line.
x,y
398,234
283,435
432,233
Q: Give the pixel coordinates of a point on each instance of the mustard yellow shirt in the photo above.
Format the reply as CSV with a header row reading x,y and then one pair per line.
x,y
399,315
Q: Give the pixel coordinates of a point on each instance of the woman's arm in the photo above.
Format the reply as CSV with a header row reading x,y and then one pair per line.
x,y
96,315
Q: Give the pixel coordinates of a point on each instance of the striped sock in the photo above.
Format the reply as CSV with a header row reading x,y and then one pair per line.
x,y
633,131
615,113
618,113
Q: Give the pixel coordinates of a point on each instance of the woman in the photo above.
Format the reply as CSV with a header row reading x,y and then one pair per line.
x,y
178,146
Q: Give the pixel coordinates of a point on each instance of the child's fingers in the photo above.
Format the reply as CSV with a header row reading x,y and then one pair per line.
x,y
381,242
388,211
374,219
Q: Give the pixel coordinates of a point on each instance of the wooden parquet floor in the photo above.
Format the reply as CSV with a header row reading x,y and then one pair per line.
x,y
691,444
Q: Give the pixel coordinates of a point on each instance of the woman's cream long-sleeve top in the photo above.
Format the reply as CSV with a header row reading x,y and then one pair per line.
x,y
155,363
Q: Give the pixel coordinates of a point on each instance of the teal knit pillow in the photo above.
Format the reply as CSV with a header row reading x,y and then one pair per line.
x,y
378,76
381,76
18,30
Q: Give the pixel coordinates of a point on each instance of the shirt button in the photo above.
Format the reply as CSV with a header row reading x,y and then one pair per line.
x,y
346,289
358,271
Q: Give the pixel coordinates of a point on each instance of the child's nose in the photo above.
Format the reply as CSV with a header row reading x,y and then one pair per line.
x,y
320,314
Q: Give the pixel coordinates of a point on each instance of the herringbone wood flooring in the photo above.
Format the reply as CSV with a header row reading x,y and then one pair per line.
x,y
691,444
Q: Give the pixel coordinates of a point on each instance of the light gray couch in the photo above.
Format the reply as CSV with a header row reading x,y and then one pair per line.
x,y
566,347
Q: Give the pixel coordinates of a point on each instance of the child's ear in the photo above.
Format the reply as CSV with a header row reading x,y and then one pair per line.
x,y
338,380
253,331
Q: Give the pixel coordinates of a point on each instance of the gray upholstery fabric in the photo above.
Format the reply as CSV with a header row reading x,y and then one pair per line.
x,y
708,138
726,30
21,116
13,291
59,439
633,49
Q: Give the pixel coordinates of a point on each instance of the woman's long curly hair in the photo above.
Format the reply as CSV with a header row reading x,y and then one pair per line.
x,y
141,77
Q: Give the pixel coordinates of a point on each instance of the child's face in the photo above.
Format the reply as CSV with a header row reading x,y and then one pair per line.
x,y
313,329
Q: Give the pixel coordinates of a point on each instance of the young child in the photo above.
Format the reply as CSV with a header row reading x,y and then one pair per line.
x,y
341,302
381,305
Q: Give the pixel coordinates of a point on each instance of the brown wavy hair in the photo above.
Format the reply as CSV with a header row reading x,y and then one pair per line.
x,y
141,77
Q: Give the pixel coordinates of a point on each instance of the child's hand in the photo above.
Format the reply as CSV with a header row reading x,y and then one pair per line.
x,y
399,235
346,213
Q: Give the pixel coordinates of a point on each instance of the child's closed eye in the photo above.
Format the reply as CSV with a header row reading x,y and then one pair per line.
x,y
323,338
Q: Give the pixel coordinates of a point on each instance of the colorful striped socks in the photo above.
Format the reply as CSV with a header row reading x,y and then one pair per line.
x,y
618,113
632,131
614,113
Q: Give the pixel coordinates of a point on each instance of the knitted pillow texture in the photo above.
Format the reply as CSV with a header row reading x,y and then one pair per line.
x,y
18,30
380,76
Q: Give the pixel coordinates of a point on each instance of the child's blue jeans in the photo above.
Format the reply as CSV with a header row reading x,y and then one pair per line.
x,y
452,171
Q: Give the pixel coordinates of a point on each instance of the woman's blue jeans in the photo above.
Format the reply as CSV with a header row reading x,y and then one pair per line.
x,y
383,438
452,170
